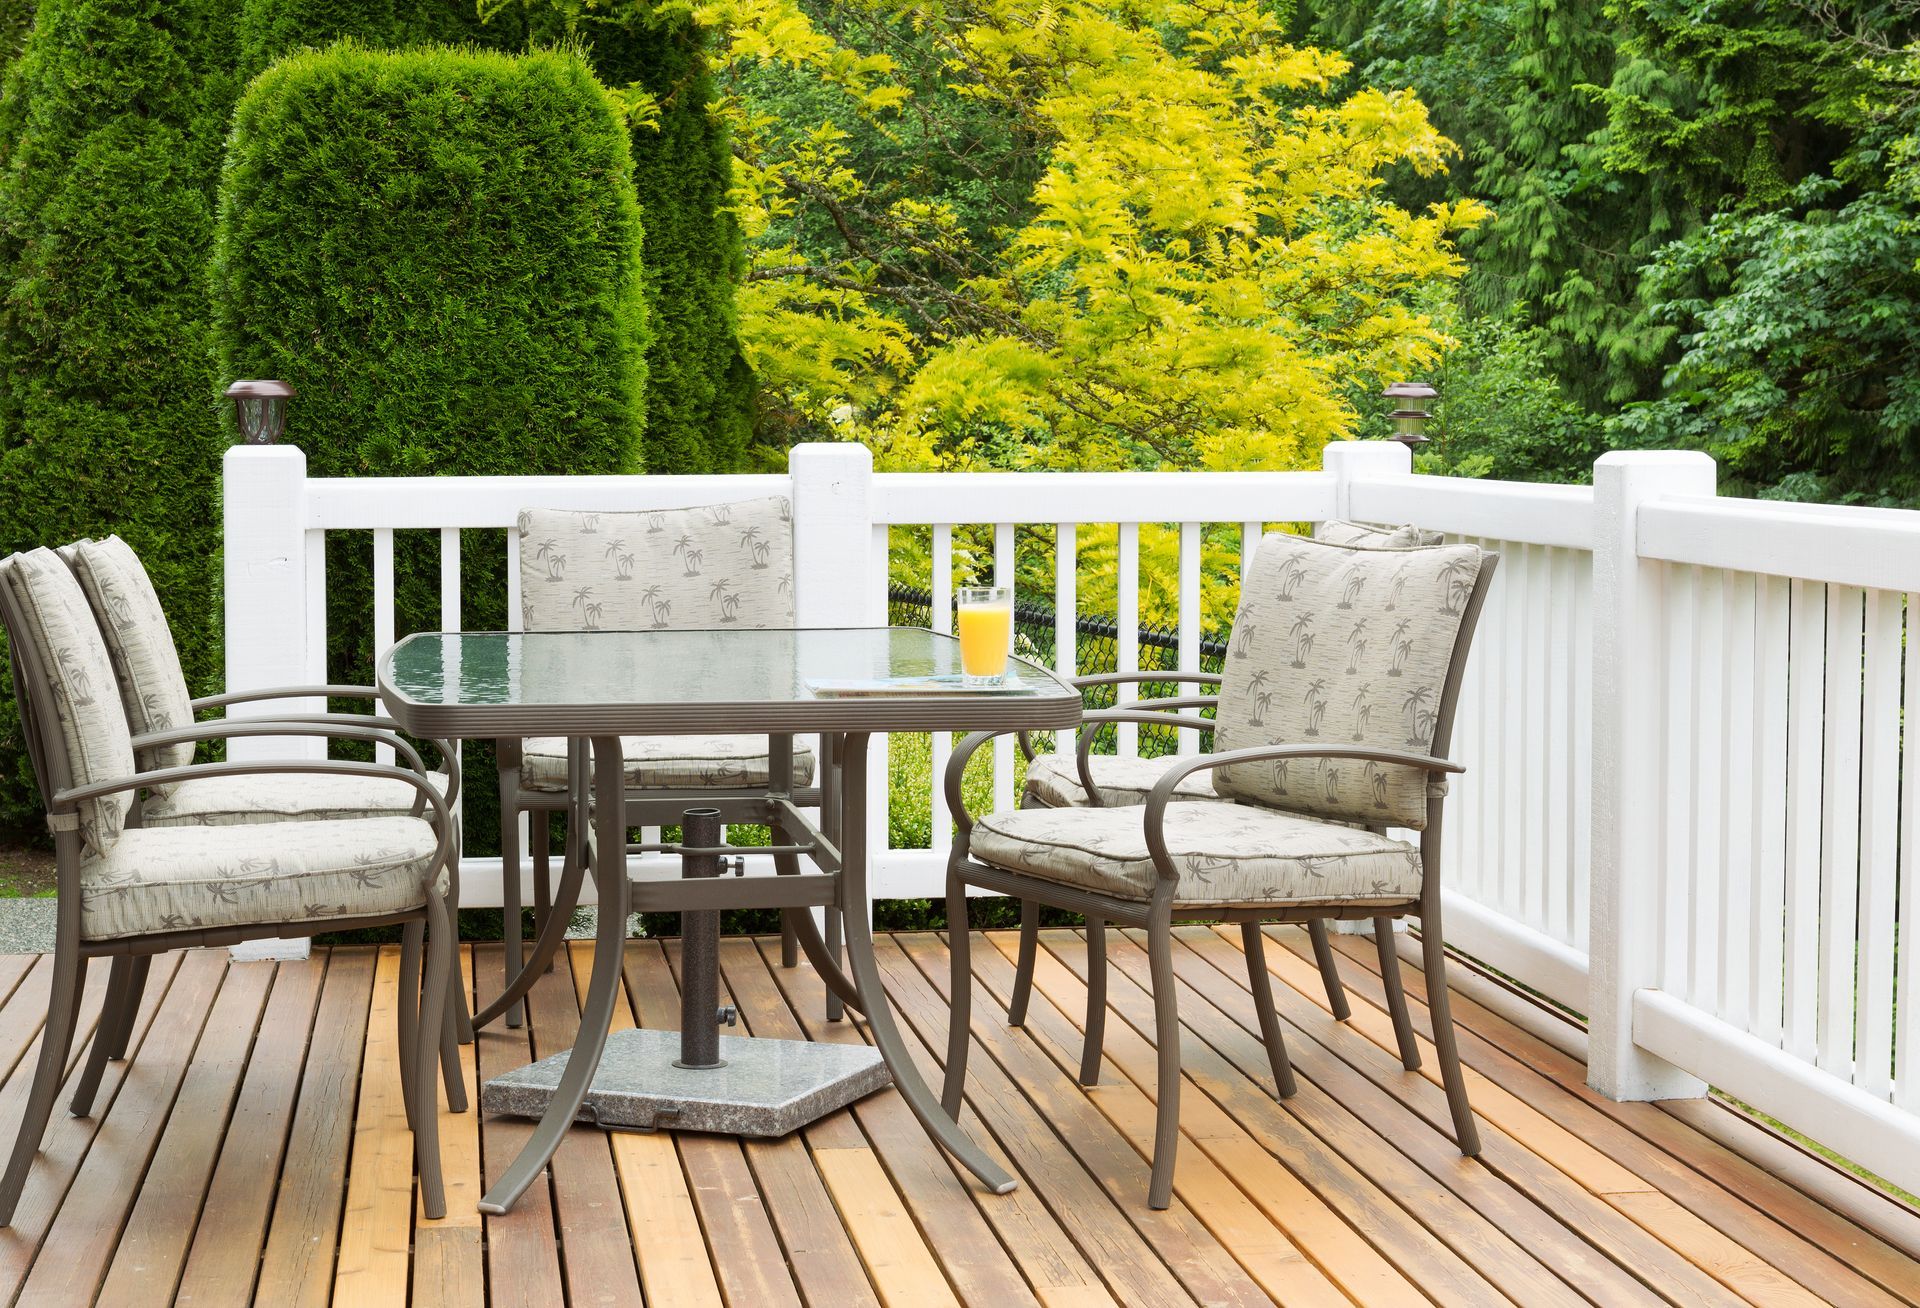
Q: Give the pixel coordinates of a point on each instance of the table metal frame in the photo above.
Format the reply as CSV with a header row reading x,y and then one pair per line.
x,y
838,845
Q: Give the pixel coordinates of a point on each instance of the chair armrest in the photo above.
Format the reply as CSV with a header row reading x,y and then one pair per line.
x,y
1136,678
1083,756
284,692
956,770
1155,813
1158,705
333,726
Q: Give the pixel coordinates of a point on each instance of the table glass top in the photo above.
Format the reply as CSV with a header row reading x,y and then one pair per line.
x,y
722,666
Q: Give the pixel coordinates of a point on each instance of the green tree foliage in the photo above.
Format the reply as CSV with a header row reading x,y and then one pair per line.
x,y
16,20
110,136
441,250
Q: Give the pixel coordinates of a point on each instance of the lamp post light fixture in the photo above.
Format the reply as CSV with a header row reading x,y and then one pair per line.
x,y
260,409
1410,419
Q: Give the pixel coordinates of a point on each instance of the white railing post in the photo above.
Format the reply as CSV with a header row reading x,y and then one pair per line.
x,y
834,572
1626,867
265,563
1351,461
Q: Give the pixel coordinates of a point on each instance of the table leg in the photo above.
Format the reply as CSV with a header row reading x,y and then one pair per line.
x,y
566,898
832,810
866,978
603,986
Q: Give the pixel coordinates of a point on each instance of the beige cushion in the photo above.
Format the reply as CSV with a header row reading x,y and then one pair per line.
x,y
719,565
1374,535
1340,646
186,877
90,721
242,801
1225,854
679,762
145,663
1053,780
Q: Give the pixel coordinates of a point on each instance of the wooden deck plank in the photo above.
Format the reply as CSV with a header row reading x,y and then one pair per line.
x,y
980,1239
1826,1251
177,1195
523,1250
449,1256
297,1267
376,1245
1573,1143
1245,1226
1332,1196
598,1261
1583,1240
96,1206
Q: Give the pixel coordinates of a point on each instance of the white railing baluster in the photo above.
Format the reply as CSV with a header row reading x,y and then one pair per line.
x,y
450,621
515,619
1707,765
1906,1049
316,605
1003,569
1840,830
1189,624
1676,788
1536,696
1250,533
1555,867
1801,971
1580,861
1735,874
1066,614
1879,843
1127,639
382,610
940,588
1768,951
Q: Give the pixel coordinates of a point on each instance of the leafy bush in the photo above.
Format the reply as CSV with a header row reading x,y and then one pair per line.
x,y
110,132
440,249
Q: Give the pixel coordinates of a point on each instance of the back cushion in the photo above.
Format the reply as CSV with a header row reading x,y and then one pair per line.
x,y
145,663
718,565
61,629
1341,646
1374,535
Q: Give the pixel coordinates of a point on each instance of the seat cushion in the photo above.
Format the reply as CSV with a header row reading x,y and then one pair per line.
x,y
240,801
1227,854
145,661
663,762
1053,780
193,877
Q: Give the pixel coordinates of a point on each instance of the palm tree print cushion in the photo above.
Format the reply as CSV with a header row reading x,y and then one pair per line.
x,y
716,565
1340,646
147,665
1374,535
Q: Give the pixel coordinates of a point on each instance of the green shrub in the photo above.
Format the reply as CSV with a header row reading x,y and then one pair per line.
x,y
440,250
110,132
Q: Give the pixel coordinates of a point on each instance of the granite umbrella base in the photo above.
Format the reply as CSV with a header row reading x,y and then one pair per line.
x,y
764,1087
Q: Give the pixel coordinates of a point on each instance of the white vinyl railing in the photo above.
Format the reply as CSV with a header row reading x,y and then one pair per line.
x,y
1688,813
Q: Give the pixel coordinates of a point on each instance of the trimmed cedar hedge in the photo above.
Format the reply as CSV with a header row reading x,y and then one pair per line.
x,y
440,249
699,388
111,126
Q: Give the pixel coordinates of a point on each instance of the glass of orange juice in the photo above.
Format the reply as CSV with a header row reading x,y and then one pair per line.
x,y
986,633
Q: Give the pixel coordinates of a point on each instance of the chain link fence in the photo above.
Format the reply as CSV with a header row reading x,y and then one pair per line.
x,y
1096,649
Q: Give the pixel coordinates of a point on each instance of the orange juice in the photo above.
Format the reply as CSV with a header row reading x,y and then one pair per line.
x,y
986,633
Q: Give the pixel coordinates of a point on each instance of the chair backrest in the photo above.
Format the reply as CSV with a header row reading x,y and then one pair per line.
x,y
146,663
1374,535
716,565
71,701
1338,645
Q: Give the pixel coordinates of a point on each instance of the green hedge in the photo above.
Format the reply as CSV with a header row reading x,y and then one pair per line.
x,y
440,250
110,131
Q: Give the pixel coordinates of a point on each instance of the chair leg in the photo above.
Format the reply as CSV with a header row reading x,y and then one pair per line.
x,y
56,1039
540,837
1329,969
450,1073
458,996
408,1008
959,998
1440,1009
789,944
136,991
1396,996
835,942
1023,969
1262,985
119,980
1096,1035
424,1052
510,884
1166,1031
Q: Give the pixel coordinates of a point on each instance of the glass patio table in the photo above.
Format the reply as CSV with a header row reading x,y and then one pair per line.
x,y
594,687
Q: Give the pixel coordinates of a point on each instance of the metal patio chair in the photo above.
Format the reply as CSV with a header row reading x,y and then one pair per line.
x,y
1084,779
1372,644
127,891
154,694
713,565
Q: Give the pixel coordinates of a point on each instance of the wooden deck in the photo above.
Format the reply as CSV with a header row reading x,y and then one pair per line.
x,y
255,1150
